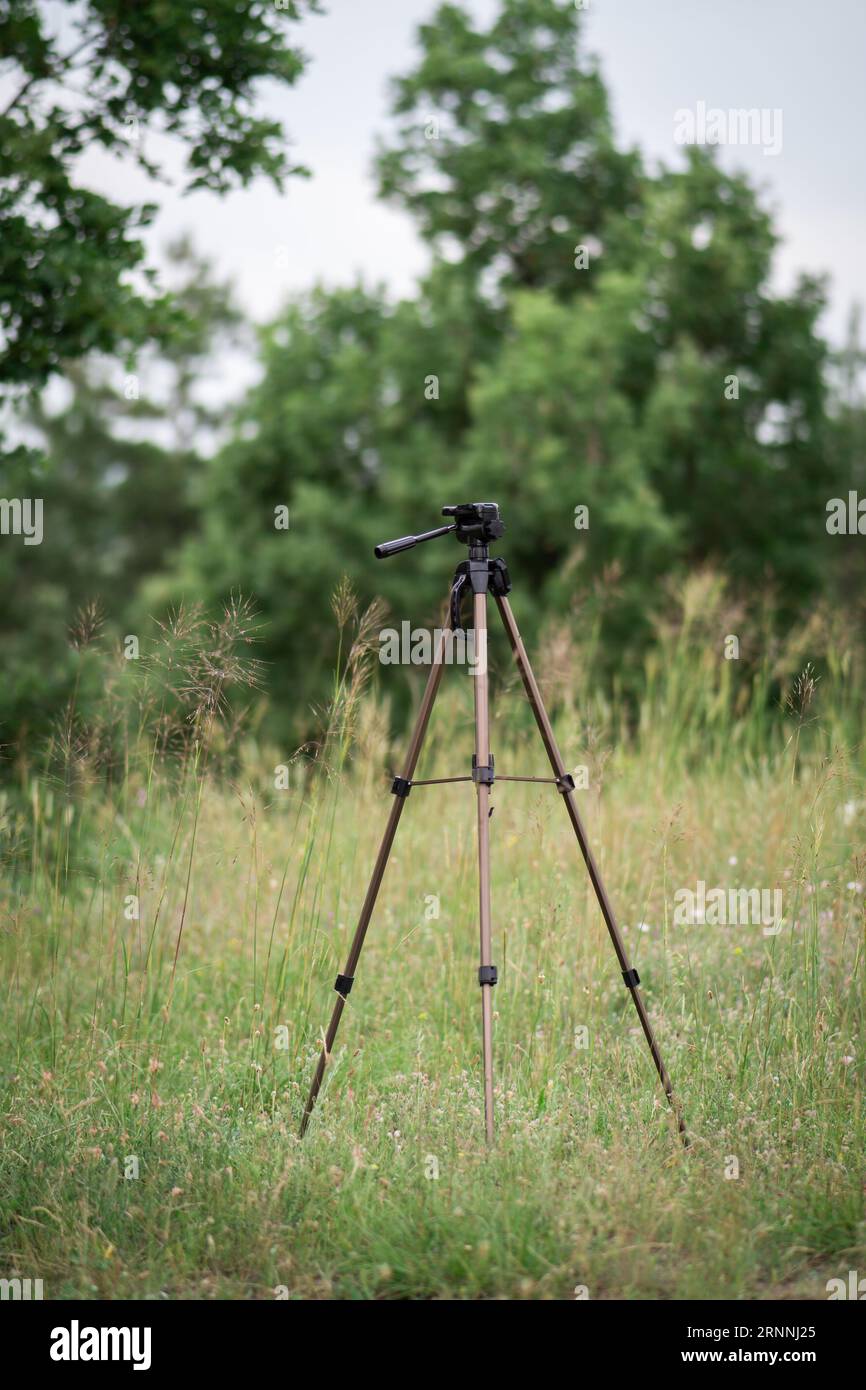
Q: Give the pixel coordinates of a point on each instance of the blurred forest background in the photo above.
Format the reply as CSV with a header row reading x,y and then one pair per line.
x,y
652,376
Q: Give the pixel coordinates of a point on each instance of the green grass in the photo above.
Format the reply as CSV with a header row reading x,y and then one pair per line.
x,y
186,1039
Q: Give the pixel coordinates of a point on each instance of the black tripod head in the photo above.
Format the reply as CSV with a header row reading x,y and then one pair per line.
x,y
475,524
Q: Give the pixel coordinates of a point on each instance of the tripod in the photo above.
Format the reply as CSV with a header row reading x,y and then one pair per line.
x,y
477,524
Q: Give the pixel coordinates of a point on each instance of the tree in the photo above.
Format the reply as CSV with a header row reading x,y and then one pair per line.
x,y
288,503
556,439
110,71
116,474
519,371
506,154
506,157
659,383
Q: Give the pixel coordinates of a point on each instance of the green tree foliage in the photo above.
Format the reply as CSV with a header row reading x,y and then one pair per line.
x,y
74,285
725,378
733,398
590,335
116,472
356,427
506,149
305,440
554,431
103,74
654,378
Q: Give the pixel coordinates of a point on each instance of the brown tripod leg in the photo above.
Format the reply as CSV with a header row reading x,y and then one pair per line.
x,y
401,787
487,974
630,975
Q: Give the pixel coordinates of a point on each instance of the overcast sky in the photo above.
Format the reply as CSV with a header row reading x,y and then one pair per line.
x,y
658,56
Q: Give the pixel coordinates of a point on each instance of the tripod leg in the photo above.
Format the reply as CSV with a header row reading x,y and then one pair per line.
x,y
486,975
630,975
344,982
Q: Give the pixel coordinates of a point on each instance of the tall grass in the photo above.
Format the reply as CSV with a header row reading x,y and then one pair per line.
x,y
177,899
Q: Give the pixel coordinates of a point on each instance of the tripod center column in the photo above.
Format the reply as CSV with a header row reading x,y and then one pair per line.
x,y
483,778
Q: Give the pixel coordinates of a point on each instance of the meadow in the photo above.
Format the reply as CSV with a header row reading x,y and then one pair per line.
x,y
171,929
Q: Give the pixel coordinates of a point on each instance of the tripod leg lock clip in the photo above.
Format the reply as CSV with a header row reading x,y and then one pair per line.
x,y
500,582
343,984
632,978
485,775
401,786
565,783
487,975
